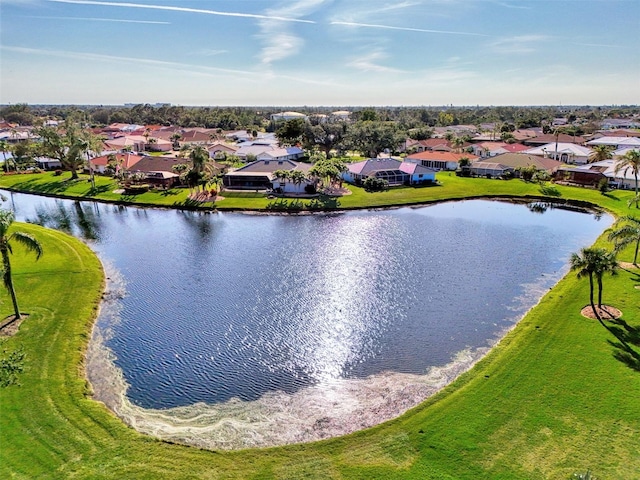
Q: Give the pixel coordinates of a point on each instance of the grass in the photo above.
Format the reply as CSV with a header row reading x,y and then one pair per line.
x,y
451,187
558,395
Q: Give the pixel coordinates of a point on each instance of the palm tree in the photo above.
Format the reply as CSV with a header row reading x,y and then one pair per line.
x,y
594,262
606,262
5,147
6,219
600,153
630,160
297,177
626,235
201,169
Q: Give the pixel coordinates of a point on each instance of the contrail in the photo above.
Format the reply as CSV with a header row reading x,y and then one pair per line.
x,y
182,9
407,29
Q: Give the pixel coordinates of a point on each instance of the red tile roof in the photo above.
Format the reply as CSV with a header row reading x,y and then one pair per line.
x,y
443,156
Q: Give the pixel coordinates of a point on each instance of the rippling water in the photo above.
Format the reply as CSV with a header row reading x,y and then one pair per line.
x,y
221,307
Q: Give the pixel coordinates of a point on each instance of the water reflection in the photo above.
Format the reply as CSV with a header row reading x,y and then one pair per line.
x,y
77,218
221,307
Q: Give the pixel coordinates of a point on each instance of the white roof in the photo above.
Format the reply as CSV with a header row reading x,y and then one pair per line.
x,y
622,151
568,148
607,168
616,141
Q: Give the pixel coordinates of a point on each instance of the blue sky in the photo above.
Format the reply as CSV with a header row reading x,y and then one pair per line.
x,y
320,52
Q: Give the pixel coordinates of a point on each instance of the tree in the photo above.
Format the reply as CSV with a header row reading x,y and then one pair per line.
x,y
626,235
328,171
594,263
373,138
326,136
201,168
67,145
631,161
5,147
600,153
291,132
6,219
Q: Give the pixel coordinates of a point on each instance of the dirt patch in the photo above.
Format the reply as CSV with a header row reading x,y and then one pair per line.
x,y
203,197
607,312
336,191
10,326
627,265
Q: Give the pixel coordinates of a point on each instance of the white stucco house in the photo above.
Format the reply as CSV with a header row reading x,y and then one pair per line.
x,y
564,152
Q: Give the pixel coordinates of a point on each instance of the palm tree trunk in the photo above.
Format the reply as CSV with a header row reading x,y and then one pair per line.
x,y
8,281
591,300
599,292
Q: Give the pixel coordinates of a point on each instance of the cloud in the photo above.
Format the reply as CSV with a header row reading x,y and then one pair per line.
x,y
510,5
371,63
97,57
407,29
182,9
519,44
95,19
185,68
278,41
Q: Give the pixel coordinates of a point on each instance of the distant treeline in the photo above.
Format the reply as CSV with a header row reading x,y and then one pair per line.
x,y
259,118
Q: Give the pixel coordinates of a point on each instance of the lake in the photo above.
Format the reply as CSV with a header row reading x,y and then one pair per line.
x,y
306,321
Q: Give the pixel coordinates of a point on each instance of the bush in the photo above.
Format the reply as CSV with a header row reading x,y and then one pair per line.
x,y
603,185
310,189
135,189
374,184
57,173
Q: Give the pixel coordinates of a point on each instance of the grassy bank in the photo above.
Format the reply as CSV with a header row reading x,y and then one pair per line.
x,y
451,187
557,396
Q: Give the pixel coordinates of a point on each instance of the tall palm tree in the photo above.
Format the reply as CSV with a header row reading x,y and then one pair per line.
x,y
630,161
606,262
6,219
201,168
626,235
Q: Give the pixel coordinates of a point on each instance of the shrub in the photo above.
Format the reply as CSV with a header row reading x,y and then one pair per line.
x,y
374,184
57,173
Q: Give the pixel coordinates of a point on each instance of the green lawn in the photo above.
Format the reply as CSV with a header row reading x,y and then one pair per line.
x,y
558,395
451,187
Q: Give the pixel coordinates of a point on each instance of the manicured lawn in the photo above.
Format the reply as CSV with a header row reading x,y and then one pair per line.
x,y
451,187
558,395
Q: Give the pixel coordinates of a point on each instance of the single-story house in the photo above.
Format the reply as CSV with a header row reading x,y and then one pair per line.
x,y
515,160
393,171
136,143
268,151
564,152
220,149
46,163
163,179
546,138
485,168
125,160
592,173
259,175
439,160
616,142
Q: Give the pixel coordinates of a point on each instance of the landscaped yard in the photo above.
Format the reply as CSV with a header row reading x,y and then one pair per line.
x,y
558,395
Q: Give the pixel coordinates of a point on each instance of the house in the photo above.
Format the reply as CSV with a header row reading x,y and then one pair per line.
x,y
163,179
195,137
393,171
547,138
284,116
616,142
124,161
565,152
520,160
439,160
433,145
134,143
489,168
259,175
218,150
591,174
489,149
46,163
